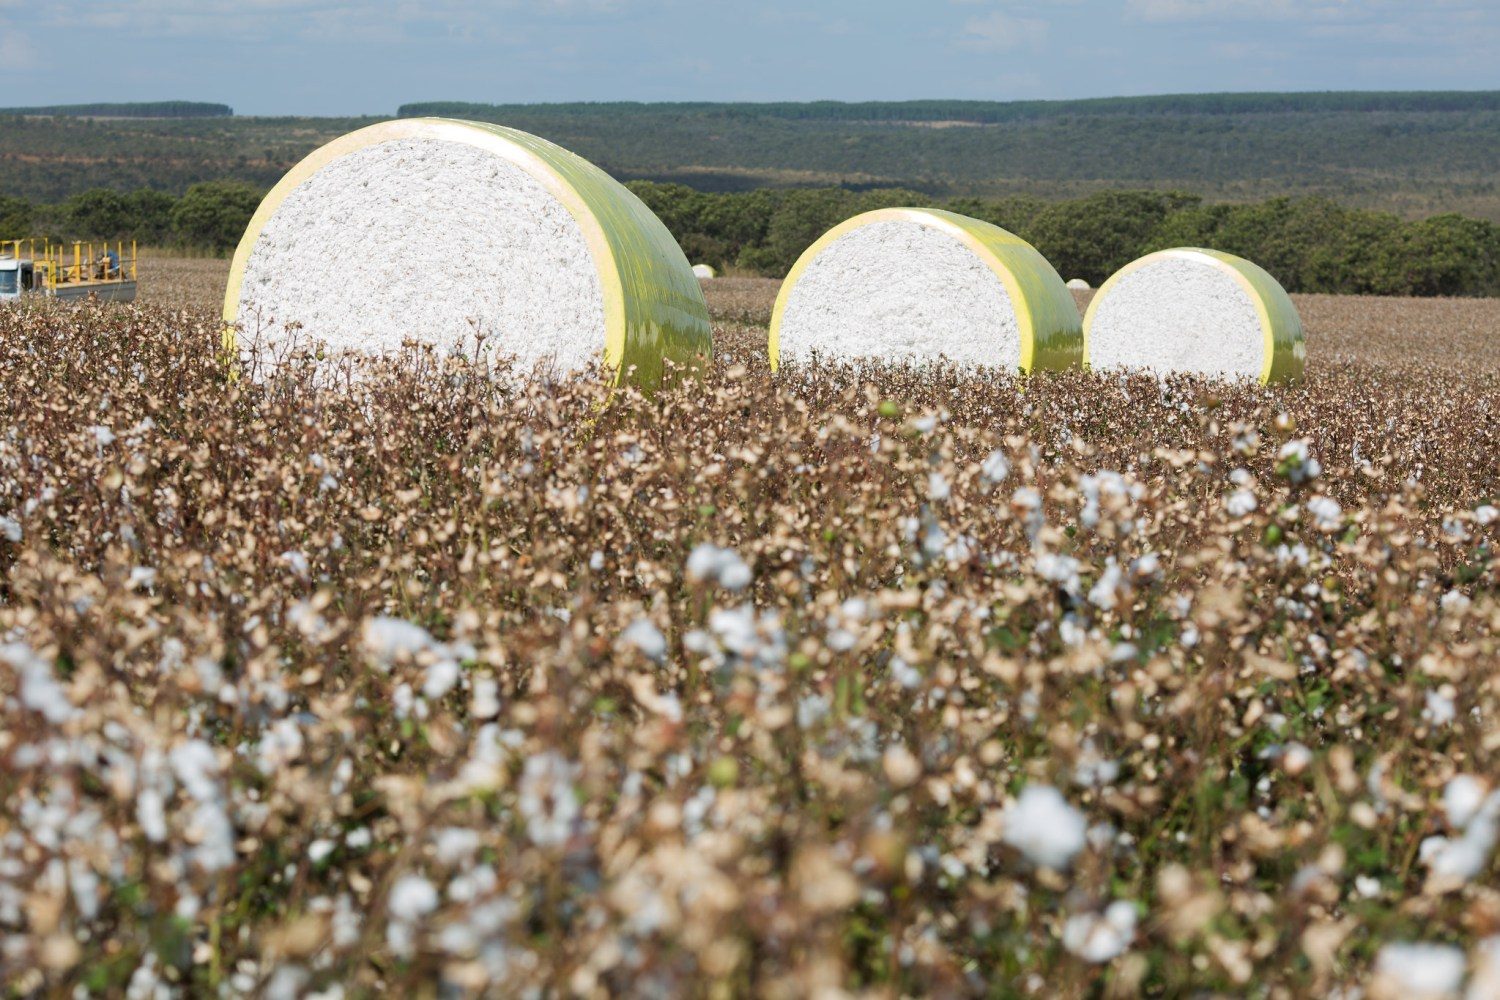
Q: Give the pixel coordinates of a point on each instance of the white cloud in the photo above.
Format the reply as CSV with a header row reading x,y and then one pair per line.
x,y
1204,10
998,31
387,20
17,53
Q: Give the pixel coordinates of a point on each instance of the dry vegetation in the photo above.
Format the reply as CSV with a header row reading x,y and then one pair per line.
x,y
849,680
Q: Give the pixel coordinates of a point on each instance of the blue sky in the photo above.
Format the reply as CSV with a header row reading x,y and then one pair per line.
x,y
318,57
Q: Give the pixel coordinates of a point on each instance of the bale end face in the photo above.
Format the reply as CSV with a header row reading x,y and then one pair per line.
x,y
465,236
1195,311
922,285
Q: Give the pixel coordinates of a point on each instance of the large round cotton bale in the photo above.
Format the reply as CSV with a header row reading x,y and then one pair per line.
x,y
703,272
1078,285
437,231
1196,311
918,284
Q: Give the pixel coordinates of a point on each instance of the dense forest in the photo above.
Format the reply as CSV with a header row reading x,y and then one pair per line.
x,y
997,112
1414,155
1310,244
133,109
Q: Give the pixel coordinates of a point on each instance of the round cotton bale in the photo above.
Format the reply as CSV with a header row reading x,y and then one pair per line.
x,y
1196,311
436,231
917,285
703,272
1078,285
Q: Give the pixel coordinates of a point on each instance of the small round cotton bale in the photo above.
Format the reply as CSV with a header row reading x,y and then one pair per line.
x,y
703,272
440,231
918,284
1078,285
1195,311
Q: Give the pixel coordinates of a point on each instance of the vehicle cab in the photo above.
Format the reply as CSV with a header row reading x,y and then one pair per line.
x,y
17,277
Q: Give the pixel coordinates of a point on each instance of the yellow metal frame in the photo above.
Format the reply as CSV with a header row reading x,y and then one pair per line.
x,y
53,266
653,305
1285,341
1046,314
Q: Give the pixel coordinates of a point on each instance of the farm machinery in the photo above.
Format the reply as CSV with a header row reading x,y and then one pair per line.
x,y
43,269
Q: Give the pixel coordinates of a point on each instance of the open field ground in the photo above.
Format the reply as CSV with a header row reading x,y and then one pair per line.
x,y
854,680
1459,334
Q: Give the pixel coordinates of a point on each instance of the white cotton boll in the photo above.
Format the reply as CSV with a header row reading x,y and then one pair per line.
x,y
1295,460
1105,593
736,576
40,691
705,562
103,436
1098,938
439,679
1454,602
1419,971
151,813
1440,709
412,898
994,468
1240,503
1326,512
1045,828
318,850
1486,514
455,844
388,640
938,487
197,768
486,703
1462,797
10,529
596,561
545,798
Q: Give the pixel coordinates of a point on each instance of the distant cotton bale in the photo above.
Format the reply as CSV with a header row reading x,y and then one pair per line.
x,y
703,271
434,231
1196,311
1078,285
915,285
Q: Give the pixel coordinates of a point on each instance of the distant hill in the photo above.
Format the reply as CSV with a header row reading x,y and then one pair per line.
x,y
1414,154
1000,112
148,109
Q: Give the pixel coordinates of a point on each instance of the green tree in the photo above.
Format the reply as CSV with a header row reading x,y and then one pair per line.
x,y
99,214
151,216
214,215
1094,237
16,218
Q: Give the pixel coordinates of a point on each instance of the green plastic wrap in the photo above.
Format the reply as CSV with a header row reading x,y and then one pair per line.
x,y
1281,326
653,305
1051,331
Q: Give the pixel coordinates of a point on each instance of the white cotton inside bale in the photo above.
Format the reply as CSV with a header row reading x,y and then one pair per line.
x,y
900,291
1178,314
429,241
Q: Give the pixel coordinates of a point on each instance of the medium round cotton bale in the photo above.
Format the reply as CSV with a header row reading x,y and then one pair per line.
x,y
704,272
918,284
1078,285
1196,311
437,231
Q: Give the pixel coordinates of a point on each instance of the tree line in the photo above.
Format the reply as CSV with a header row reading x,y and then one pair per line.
x,y
127,109
209,217
1309,244
995,112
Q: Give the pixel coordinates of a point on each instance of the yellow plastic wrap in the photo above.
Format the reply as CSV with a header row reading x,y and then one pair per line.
x,y
1047,317
653,305
1281,326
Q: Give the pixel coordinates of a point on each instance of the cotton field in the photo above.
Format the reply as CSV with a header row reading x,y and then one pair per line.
x,y
857,679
